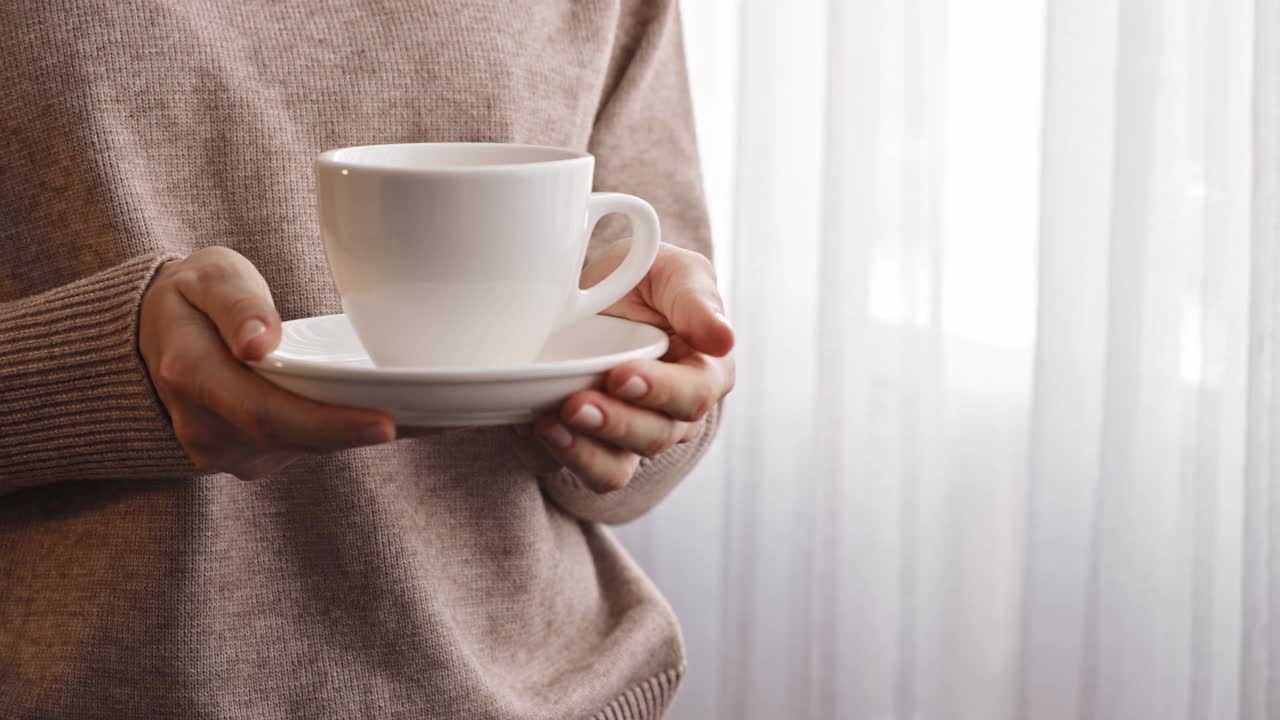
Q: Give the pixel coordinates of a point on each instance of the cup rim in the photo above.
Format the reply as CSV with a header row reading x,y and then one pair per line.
x,y
557,156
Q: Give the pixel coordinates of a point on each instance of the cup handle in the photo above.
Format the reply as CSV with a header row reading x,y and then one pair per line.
x,y
645,236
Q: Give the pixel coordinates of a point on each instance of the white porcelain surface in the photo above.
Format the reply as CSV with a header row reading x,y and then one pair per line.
x,y
321,358
468,254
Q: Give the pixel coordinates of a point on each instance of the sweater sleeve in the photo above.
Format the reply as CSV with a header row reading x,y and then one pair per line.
x,y
75,399
644,144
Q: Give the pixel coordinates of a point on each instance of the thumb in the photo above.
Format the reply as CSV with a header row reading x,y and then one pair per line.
x,y
685,292
230,291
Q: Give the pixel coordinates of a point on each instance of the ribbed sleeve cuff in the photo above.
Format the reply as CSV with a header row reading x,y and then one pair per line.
x,y
654,480
647,701
75,399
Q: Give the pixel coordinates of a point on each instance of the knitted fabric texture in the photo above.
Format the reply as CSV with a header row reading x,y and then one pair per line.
x,y
429,578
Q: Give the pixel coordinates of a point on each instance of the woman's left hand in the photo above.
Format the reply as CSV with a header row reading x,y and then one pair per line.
x,y
647,406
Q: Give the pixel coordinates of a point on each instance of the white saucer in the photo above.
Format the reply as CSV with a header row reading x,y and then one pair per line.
x,y
321,358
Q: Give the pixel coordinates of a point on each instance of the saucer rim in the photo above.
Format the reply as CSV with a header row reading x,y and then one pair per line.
x,y
657,347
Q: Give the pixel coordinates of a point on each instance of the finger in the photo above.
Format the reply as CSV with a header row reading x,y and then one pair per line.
x,y
685,390
601,467
227,288
643,432
279,419
217,446
683,284
692,431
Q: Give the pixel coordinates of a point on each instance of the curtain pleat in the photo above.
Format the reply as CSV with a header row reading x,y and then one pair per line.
x,y
1260,691
1066,423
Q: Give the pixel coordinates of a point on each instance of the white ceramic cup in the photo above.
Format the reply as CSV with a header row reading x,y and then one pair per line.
x,y
468,254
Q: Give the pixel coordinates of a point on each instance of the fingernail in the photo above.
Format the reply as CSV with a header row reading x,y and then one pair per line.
x,y
588,417
376,434
558,435
634,388
724,320
250,330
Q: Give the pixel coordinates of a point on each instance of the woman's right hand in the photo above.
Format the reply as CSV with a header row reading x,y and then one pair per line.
x,y
200,318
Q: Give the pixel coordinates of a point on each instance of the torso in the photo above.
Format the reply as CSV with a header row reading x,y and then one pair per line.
x,y
430,578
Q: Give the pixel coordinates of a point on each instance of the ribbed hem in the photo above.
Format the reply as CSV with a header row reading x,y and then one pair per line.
x,y
647,701
75,399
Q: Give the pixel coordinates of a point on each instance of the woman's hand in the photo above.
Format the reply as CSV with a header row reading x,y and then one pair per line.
x,y
647,406
200,318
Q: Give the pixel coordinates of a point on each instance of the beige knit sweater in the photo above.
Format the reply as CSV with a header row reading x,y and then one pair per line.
x,y
430,578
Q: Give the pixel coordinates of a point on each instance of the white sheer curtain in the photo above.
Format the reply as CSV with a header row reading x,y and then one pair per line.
x,y
1005,442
